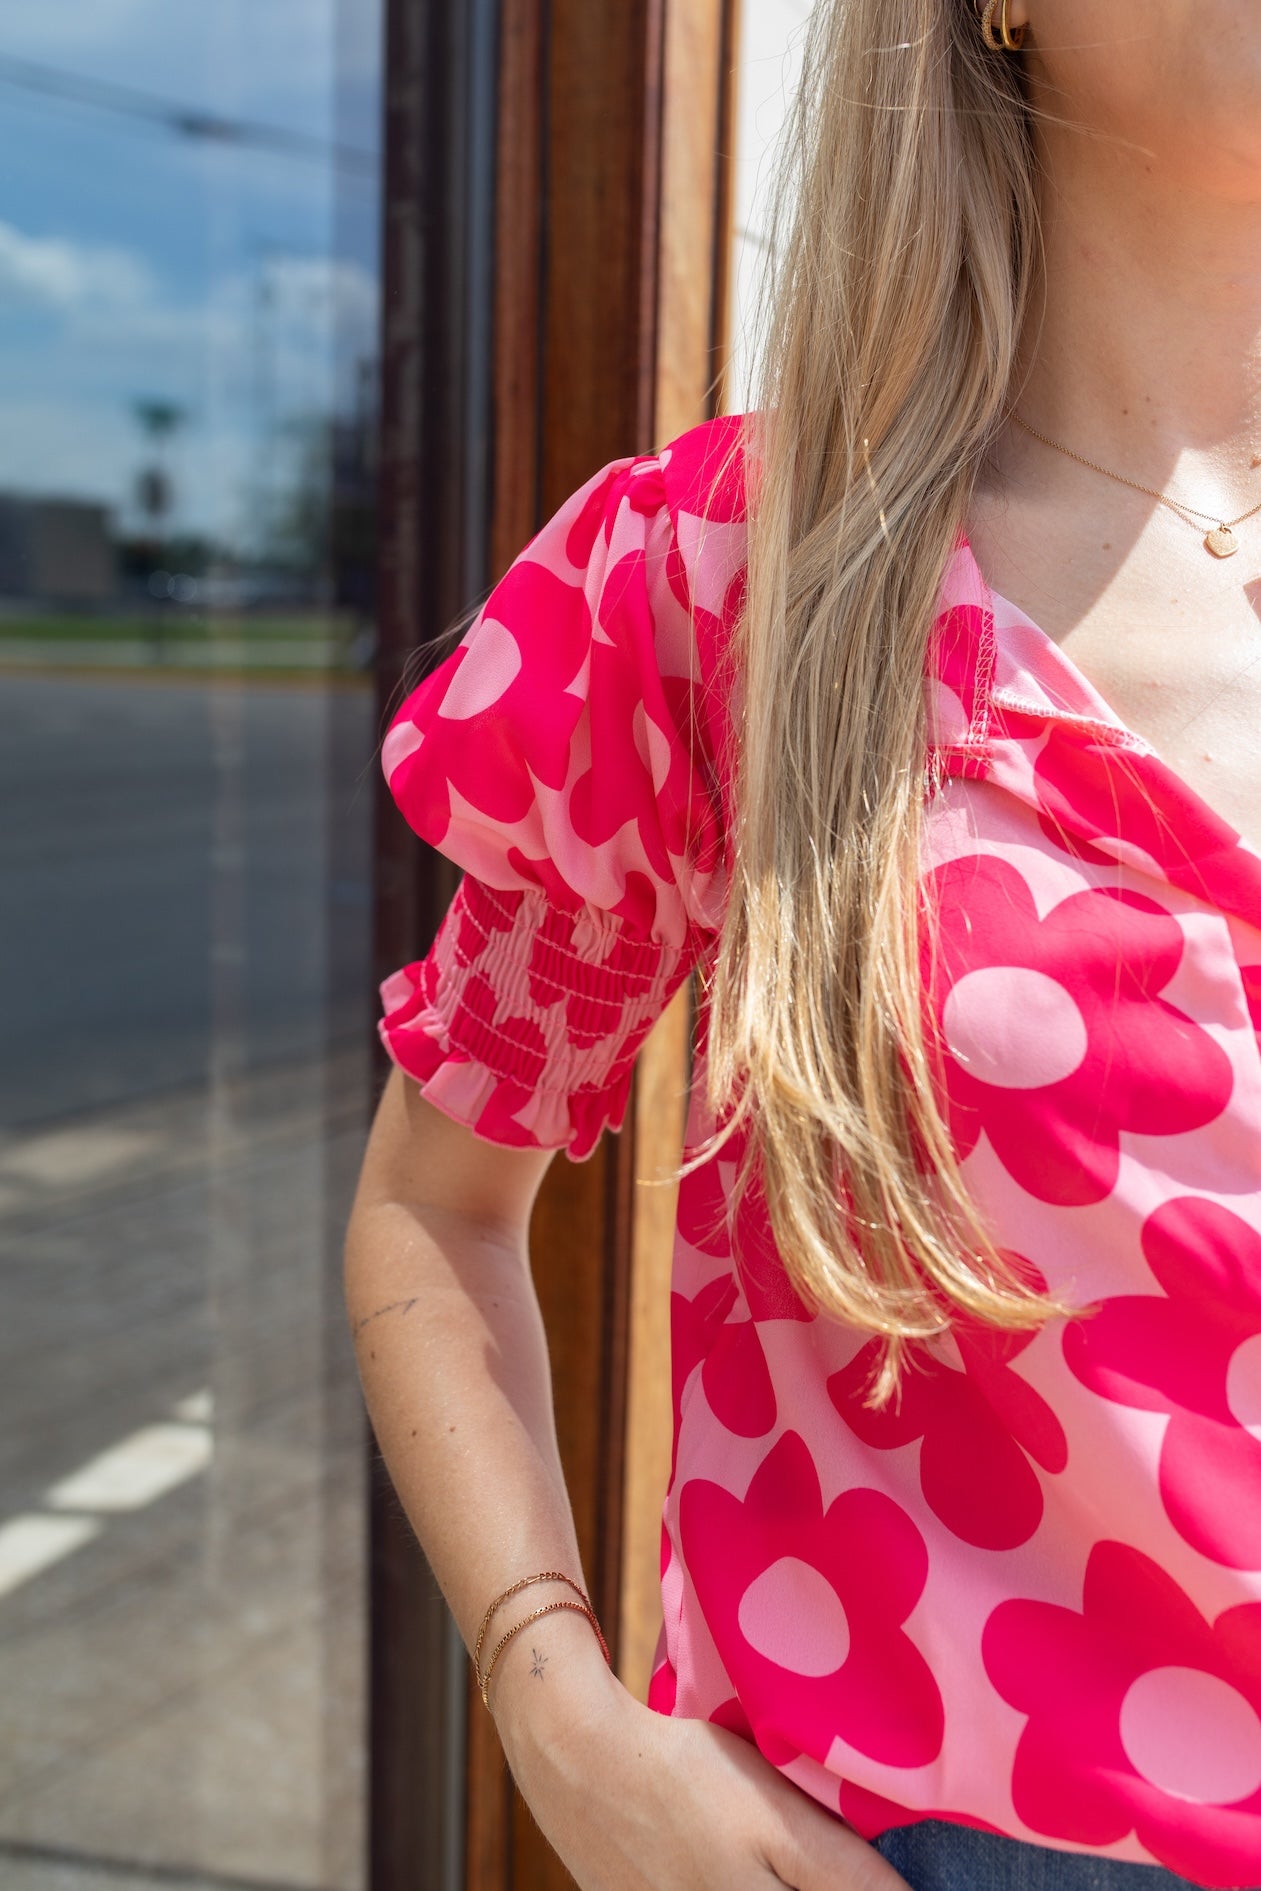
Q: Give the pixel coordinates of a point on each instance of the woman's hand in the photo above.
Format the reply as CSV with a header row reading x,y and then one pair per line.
x,y
634,1801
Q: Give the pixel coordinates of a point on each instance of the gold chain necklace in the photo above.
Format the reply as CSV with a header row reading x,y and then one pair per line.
x,y
1221,541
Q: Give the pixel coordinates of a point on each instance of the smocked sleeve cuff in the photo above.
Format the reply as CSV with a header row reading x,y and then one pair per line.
x,y
524,1020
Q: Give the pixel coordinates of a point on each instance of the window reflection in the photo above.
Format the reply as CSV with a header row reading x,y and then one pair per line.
x,y
188,309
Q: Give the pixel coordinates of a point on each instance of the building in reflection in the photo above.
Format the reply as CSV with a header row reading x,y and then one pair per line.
x,y
61,551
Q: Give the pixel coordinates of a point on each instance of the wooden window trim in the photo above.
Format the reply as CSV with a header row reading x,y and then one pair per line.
x,y
556,243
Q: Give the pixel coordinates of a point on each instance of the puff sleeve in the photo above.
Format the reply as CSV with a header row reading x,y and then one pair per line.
x,y
556,757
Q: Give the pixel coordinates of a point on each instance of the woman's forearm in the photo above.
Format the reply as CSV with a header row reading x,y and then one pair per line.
x,y
454,1364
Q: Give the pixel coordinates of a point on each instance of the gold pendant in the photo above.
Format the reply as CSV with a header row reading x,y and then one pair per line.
x,y
1222,542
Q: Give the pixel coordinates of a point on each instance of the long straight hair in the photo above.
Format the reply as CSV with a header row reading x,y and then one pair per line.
x,y
905,238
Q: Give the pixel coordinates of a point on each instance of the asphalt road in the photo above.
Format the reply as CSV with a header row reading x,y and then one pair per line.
x,y
184,869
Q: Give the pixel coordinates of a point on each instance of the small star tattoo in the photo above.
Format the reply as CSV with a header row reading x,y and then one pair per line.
x,y
540,1662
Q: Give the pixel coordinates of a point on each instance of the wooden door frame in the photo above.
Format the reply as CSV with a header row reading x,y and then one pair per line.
x,y
433,558
556,253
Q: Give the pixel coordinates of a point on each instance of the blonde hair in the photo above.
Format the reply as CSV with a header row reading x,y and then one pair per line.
x,y
905,238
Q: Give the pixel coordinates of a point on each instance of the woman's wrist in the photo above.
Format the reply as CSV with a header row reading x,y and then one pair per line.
x,y
518,1609
550,1685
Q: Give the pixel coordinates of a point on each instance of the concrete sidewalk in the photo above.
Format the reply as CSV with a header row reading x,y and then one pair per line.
x,y
182,1691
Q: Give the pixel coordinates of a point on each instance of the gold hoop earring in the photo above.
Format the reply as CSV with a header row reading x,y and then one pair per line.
x,y
1010,42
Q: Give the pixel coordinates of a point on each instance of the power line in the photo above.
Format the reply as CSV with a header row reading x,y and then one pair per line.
x,y
186,121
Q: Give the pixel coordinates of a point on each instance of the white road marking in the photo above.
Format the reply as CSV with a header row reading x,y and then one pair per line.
x,y
197,1409
58,1157
31,1544
136,1471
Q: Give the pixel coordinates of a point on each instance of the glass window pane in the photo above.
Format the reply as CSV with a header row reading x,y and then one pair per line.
x,y
188,307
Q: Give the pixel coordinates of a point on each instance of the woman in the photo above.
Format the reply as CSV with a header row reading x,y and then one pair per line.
x,y
921,719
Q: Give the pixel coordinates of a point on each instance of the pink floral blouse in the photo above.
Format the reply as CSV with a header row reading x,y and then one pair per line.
x,y
1029,1597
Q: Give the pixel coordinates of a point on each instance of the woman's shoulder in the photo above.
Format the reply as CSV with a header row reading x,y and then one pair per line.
x,y
704,487
703,470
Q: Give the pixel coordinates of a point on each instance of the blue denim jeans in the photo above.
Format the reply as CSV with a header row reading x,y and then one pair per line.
x,y
937,1856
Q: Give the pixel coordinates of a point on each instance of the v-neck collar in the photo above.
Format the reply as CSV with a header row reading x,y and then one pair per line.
x,y
1090,772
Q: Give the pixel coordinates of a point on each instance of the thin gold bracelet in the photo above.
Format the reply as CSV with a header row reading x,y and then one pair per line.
x,y
546,1575
550,1608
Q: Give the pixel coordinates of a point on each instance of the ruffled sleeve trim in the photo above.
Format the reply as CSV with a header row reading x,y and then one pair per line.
x,y
524,1020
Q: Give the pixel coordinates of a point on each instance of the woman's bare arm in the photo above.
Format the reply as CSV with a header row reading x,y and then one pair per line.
x,y
454,1364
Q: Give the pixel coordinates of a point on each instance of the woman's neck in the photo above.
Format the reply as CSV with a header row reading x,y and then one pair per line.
x,y
1144,336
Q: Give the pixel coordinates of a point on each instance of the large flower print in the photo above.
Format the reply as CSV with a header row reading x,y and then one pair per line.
x,y
1135,804
734,1372
1055,1035
980,1423
1252,993
1142,1717
1194,1352
550,741
518,660
731,1715
806,1608
870,1813
706,1219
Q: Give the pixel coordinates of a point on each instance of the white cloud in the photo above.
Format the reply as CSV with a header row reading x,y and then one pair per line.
x,y
287,313
262,351
52,269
